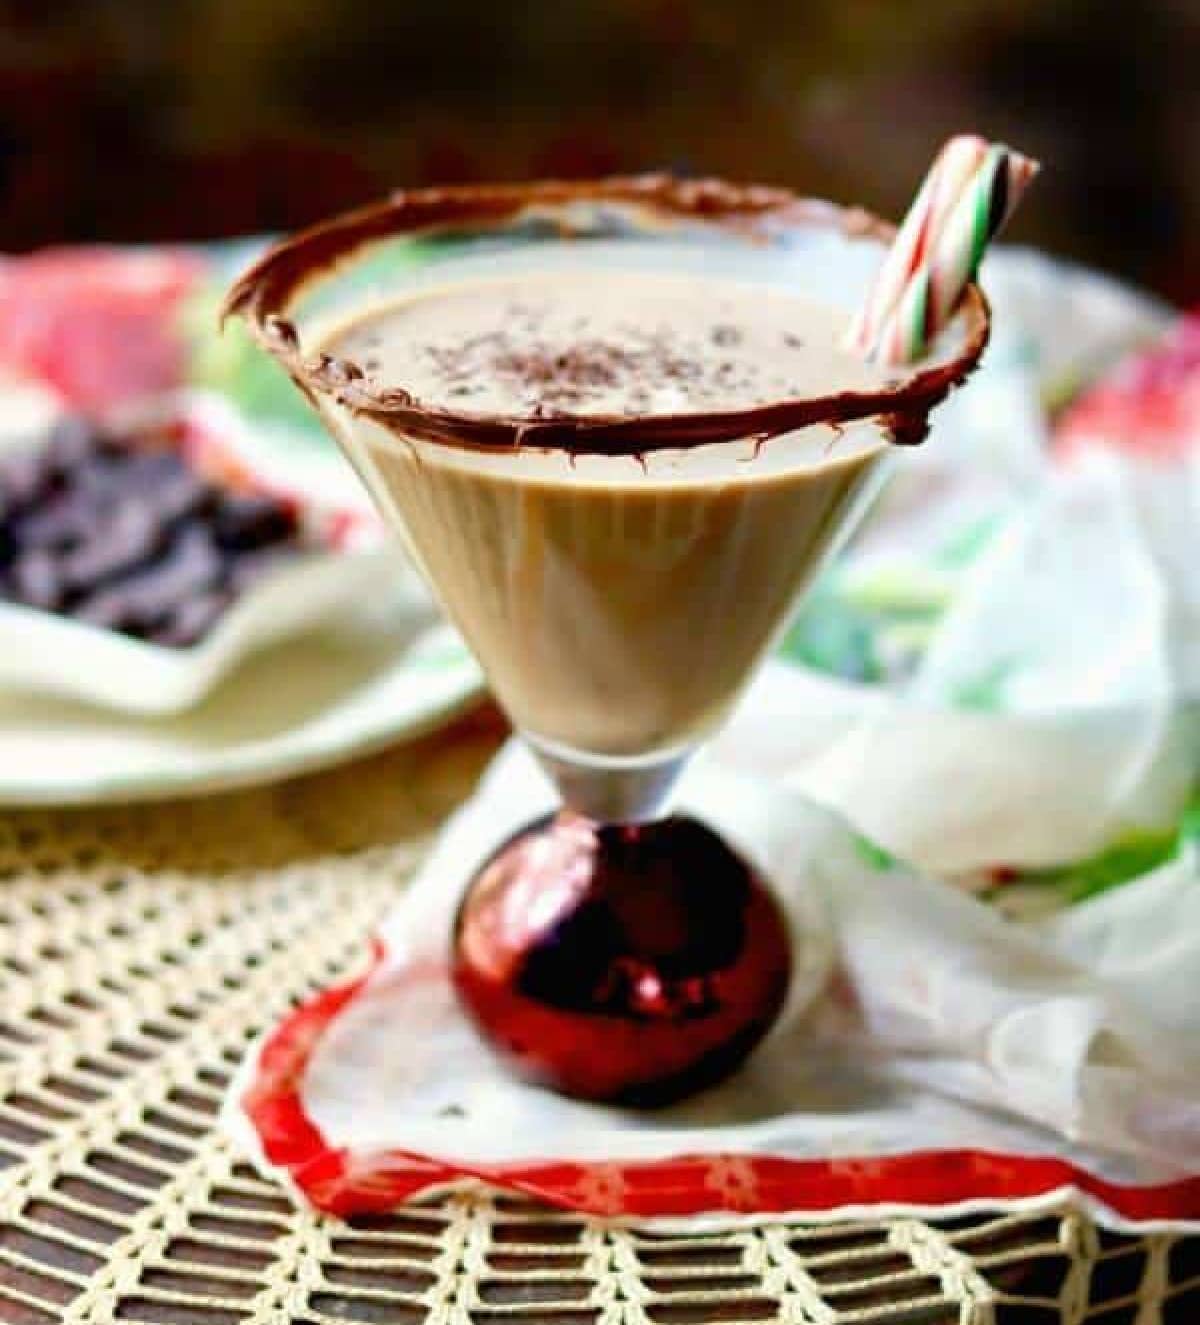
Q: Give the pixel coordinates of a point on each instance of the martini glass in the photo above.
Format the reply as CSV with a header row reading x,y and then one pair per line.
x,y
619,578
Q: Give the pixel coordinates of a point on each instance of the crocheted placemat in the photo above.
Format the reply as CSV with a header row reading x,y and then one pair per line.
x,y
141,948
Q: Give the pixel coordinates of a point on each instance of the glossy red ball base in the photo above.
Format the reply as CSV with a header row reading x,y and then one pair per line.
x,y
635,964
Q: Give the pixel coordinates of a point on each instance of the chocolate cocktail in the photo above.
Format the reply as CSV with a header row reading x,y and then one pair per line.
x,y
616,427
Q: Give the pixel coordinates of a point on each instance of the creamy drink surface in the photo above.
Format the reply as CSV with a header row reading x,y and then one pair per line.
x,y
616,602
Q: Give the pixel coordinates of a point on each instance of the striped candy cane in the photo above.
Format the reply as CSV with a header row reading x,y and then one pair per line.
x,y
958,160
936,274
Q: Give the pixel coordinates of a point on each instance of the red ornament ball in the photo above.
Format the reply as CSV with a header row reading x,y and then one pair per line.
x,y
629,963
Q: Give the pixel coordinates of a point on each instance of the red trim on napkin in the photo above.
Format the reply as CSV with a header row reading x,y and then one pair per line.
x,y
344,1183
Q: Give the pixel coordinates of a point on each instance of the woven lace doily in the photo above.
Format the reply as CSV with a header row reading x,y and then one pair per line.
x,y
140,951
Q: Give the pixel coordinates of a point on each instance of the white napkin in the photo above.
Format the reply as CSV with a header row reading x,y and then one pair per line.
x,y
946,1028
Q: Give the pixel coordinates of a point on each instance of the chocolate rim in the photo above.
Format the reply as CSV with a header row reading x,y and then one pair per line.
x,y
264,293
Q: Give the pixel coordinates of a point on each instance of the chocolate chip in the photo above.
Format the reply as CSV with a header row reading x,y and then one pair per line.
x,y
244,522
58,524
145,472
146,600
36,580
24,478
127,538
72,440
192,563
192,620
110,609
182,496
248,568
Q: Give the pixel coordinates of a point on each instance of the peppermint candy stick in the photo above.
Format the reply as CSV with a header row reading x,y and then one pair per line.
x,y
942,187
951,257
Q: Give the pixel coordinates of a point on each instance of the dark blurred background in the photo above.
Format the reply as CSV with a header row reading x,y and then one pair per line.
x,y
153,119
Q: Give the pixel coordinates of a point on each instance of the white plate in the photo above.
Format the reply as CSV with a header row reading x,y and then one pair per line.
x,y
292,709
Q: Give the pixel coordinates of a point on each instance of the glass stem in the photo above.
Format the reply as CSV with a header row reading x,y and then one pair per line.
x,y
612,789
